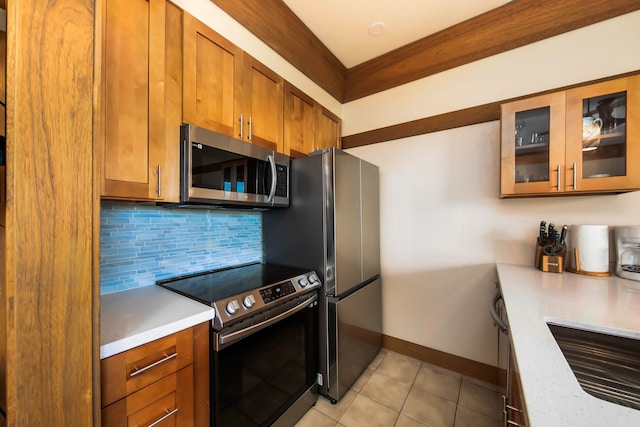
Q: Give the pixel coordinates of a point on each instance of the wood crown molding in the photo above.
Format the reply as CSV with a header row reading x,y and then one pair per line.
x,y
276,25
516,24
513,25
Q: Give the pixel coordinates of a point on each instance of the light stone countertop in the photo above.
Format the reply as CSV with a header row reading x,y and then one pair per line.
x,y
532,298
138,316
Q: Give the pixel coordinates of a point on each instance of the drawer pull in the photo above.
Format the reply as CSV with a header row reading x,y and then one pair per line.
x,y
138,371
164,417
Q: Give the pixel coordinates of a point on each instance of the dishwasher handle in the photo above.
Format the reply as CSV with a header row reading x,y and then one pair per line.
x,y
497,320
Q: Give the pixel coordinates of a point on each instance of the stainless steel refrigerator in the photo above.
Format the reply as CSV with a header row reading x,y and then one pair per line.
x,y
332,226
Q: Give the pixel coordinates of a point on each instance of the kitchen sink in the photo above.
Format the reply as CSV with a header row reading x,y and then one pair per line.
x,y
606,366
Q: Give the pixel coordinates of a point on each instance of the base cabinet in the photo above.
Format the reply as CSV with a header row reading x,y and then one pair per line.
x,y
161,383
167,402
514,411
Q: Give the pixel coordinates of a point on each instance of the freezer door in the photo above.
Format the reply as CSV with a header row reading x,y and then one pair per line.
x,y
355,330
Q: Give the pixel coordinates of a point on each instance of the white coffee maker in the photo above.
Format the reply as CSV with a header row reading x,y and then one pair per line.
x,y
628,250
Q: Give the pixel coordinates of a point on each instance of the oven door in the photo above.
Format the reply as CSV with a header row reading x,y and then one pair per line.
x,y
260,370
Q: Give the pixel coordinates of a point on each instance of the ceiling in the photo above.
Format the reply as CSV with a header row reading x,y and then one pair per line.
x,y
346,34
328,40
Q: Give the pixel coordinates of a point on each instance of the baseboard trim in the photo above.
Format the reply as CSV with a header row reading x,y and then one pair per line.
x,y
471,368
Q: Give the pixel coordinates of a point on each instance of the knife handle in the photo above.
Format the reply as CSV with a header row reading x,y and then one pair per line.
x,y
563,234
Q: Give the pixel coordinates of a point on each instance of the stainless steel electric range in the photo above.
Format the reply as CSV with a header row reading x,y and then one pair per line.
x,y
264,342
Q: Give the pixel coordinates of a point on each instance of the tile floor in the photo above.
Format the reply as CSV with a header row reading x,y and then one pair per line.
x,y
396,390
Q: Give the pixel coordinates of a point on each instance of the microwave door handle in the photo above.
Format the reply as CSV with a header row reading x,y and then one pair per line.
x,y
274,177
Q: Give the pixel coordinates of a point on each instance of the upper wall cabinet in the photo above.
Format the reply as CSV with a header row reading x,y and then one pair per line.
x,y
308,126
261,117
327,129
228,91
583,140
130,110
299,116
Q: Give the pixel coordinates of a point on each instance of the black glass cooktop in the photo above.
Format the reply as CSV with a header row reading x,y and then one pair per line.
x,y
212,286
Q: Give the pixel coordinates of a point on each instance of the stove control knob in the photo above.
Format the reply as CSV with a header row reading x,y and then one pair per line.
x,y
233,307
303,282
248,301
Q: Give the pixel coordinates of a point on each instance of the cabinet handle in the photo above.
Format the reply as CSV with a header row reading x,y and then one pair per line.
x,y
513,408
558,177
164,417
138,371
159,181
505,413
250,125
241,120
575,176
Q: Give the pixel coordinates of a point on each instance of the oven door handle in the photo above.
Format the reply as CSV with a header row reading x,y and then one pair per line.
x,y
231,337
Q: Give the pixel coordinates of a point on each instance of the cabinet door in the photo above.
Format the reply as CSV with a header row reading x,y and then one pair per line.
x,y
515,411
133,98
263,104
532,151
167,402
603,136
212,67
298,122
327,129
132,370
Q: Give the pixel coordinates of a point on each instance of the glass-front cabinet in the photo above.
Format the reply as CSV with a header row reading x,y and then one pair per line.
x,y
533,135
603,136
585,139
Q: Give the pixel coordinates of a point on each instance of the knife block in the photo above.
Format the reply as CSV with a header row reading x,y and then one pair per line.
x,y
550,263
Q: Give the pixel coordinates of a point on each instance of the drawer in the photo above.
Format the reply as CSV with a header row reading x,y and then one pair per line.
x,y
167,402
130,371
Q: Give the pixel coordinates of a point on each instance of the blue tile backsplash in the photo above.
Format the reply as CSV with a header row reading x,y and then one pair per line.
x,y
141,243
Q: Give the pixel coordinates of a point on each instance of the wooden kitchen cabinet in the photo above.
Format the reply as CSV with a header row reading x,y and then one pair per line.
x,y
580,141
514,410
212,67
166,379
327,129
227,90
308,126
262,110
299,116
606,155
130,108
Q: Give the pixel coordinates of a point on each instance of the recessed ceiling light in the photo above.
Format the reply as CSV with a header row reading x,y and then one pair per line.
x,y
377,28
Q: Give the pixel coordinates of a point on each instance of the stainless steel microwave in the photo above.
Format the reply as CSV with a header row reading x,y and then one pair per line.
x,y
222,171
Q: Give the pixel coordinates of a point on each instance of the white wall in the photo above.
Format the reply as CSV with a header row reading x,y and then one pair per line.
x,y
443,228
443,225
